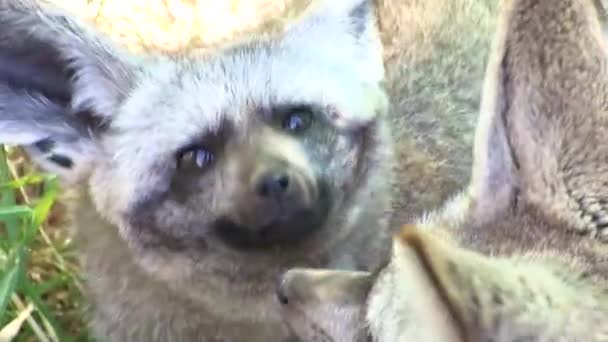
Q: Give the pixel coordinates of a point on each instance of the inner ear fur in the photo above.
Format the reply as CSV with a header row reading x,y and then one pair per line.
x,y
60,84
425,265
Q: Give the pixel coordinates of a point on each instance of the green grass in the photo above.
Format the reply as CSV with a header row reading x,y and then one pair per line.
x,y
39,288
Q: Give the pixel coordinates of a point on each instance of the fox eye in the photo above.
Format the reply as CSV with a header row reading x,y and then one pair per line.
x,y
297,120
196,156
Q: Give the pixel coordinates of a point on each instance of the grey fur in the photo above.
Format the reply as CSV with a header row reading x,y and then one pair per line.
x,y
154,268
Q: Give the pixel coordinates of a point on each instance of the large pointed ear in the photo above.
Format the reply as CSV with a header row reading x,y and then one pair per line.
x,y
600,6
448,293
60,83
339,40
417,287
343,31
541,133
494,179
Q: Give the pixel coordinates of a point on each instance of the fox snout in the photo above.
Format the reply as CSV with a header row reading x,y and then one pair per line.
x,y
300,286
277,200
324,305
273,185
277,188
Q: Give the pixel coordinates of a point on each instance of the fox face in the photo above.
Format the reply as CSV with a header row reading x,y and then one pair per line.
x,y
261,153
520,254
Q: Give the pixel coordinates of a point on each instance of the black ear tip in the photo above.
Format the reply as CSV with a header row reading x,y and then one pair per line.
x,y
361,14
62,161
45,145
362,10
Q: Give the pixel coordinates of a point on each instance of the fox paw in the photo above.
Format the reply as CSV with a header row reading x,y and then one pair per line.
x,y
593,219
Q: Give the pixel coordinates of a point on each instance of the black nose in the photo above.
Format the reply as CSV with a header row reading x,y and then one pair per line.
x,y
272,184
279,218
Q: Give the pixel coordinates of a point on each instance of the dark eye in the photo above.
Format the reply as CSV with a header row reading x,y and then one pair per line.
x,y
297,121
198,157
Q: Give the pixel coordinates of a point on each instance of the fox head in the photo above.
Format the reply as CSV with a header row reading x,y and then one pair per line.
x,y
401,297
268,150
539,188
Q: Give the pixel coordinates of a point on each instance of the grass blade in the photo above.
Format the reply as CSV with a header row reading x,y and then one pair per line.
x,y
30,179
45,203
15,211
7,198
56,331
10,331
10,279
7,195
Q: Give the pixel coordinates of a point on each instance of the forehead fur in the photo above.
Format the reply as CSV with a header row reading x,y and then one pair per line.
x,y
194,96
228,84
330,56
